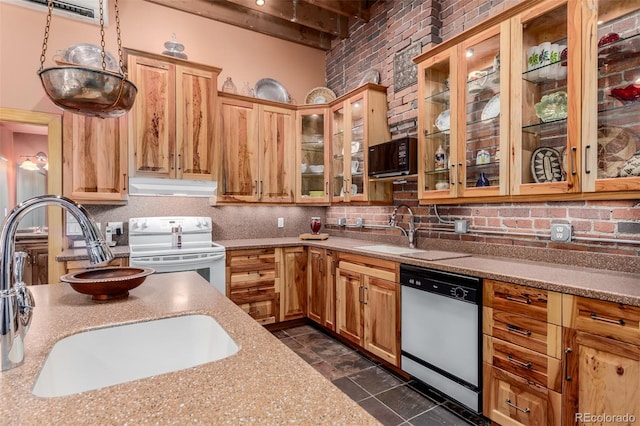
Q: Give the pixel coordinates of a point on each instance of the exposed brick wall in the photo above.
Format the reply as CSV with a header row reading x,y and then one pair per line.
x,y
399,24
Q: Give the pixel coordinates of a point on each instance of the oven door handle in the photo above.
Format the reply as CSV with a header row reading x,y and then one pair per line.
x,y
143,262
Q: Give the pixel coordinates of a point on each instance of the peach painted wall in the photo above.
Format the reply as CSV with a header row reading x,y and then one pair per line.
x,y
243,55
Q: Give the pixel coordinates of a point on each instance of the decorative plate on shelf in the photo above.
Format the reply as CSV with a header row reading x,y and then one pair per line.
x,y
443,121
319,95
491,109
546,165
270,89
552,107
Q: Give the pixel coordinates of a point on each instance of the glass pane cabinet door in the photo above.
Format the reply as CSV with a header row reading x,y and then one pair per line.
x,y
355,167
313,187
544,81
437,127
612,82
484,138
338,154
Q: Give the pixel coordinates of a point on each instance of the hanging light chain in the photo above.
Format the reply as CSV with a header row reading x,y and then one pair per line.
x,y
102,45
46,34
120,61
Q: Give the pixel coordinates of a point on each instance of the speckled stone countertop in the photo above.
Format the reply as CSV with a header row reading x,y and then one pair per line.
x,y
620,287
265,383
80,253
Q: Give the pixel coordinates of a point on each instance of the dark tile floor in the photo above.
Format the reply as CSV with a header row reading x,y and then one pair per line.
x,y
389,398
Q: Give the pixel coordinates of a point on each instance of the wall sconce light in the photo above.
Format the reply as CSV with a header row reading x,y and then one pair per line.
x,y
40,157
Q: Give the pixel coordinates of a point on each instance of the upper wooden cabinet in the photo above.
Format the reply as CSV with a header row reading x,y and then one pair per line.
x,y
313,155
523,106
257,143
611,132
358,120
171,126
94,158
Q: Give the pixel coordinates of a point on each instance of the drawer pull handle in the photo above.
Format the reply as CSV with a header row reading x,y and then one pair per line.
x,y
360,291
526,365
526,301
516,329
525,411
567,377
611,321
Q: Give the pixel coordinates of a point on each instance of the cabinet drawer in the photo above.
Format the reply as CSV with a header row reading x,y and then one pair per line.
x,y
264,309
254,258
530,333
533,366
608,319
510,400
528,301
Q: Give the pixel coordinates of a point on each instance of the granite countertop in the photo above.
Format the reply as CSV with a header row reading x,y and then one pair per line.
x,y
80,253
264,383
620,287
613,286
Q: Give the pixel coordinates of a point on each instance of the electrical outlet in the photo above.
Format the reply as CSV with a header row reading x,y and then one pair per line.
x,y
359,222
561,232
342,221
281,222
461,226
116,227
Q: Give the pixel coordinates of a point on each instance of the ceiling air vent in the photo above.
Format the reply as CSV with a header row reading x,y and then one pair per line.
x,y
82,10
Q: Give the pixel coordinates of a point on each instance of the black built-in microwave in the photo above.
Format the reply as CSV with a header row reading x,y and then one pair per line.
x,y
398,157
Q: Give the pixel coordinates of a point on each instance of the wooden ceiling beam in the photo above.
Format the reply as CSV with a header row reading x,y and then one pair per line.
x,y
349,8
232,14
306,14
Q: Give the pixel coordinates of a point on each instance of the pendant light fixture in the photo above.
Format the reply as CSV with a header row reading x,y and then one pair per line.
x,y
85,90
40,157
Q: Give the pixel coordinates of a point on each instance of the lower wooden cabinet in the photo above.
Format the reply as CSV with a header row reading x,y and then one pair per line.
x,y
36,268
602,362
522,355
321,287
367,291
253,282
511,400
294,283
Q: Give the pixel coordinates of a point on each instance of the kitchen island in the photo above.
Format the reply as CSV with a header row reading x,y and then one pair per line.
x,y
264,383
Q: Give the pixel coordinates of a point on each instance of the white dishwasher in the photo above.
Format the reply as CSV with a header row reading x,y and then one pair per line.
x,y
442,332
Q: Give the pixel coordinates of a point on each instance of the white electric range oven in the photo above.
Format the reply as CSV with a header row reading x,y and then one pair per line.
x,y
177,243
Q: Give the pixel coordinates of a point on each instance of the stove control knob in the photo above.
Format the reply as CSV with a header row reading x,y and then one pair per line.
x,y
144,224
459,293
134,224
205,223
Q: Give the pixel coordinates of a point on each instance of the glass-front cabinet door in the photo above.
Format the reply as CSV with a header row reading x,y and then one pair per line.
x,y
313,156
355,185
338,154
546,97
611,106
437,127
484,118
349,134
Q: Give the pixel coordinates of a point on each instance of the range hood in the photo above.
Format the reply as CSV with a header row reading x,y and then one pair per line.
x,y
172,187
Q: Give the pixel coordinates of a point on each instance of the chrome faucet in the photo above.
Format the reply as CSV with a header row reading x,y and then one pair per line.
x,y
412,226
16,301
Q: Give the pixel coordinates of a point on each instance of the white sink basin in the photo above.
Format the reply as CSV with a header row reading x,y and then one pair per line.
x,y
389,249
108,356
